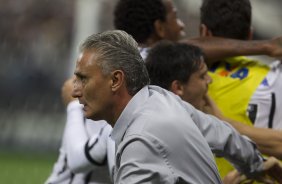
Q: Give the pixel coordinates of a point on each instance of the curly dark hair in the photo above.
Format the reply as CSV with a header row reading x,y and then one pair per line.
x,y
137,17
227,18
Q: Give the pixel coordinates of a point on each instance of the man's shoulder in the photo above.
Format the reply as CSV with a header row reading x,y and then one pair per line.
x,y
159,120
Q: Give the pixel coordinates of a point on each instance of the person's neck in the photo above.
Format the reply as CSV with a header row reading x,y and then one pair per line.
x,y
150,42
121,100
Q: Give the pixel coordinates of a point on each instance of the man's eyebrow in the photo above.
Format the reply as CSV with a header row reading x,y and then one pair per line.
x,y
204,72
78,74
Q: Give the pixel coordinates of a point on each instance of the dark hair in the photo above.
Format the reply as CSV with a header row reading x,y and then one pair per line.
x,y
227,18
117,50
168,61
137,17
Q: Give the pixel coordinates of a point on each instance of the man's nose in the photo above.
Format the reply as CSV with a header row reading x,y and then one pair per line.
x,y
181,24
209,79
76,91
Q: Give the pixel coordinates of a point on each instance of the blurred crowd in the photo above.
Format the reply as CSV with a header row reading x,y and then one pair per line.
x,y
35,46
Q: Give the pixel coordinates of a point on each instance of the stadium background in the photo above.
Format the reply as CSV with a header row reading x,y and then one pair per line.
x,y
38,48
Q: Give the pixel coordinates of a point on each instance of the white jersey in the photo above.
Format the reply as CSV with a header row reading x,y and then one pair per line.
x,y
264,106
83,153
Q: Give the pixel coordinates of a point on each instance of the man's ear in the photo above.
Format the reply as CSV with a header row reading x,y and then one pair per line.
x,y
117,80
204,31
177,88
159,29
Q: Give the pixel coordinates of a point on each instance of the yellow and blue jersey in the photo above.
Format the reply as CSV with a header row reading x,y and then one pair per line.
x,y
234,82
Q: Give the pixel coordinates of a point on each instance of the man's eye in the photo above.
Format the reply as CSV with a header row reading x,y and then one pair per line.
x,y
204,76
80,79
83,79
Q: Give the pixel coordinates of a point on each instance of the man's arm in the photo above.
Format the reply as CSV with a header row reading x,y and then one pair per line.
x,y
216,48
84,151
269,141
60,172
226,142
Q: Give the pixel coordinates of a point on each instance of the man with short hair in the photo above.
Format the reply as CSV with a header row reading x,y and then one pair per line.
x,y
112,84
180,68
259,83
252,89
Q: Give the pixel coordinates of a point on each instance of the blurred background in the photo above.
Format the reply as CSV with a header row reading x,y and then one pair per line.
x,y
38,49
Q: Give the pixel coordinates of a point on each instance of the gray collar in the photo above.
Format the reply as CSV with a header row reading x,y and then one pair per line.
x,y
127,115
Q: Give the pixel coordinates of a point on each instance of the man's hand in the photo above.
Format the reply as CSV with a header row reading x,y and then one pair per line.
x,y
273,168
234,177
67,90
272,174
211,108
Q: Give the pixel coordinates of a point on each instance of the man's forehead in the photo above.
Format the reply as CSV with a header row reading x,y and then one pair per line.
x,y
82,63
77,69
79,56
201,65
87,57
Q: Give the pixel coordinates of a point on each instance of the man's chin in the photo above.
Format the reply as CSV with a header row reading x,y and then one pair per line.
x,y
91,115
94,118
87,115
200,106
